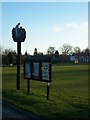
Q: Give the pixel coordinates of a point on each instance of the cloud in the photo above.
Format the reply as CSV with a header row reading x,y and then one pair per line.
x,y
82,27
71,25
57,29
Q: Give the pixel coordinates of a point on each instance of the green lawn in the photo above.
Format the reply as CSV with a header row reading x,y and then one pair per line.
x,y
68,92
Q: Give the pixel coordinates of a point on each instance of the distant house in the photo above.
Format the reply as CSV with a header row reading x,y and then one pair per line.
x,y
72,58
63,58
80,57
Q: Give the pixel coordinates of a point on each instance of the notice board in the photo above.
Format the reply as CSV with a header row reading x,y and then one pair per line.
x,y
38,69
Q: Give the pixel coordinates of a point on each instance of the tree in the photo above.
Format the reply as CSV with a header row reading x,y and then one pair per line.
x,y
77,50
1,50
7,51
35,51
56,53
87,51
0,55
5,61
66,49
10,58
50,50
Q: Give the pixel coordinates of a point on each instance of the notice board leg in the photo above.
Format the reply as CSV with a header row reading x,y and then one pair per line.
x,y
28,86
48,90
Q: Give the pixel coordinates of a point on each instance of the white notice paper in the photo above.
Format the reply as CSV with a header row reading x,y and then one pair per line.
x,y
45,71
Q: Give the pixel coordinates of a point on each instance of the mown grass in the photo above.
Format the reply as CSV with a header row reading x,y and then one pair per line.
x,y
68,92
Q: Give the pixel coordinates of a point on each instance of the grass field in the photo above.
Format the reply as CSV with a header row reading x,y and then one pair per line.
x,y
68,92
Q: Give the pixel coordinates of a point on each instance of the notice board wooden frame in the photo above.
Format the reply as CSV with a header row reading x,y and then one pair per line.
x,y
39,64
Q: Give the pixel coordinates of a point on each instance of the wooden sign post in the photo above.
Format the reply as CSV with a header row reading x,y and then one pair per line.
x,y
18,64
18,35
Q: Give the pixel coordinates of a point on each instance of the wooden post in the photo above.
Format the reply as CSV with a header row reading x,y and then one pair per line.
x,y
48,89
28,86
18,64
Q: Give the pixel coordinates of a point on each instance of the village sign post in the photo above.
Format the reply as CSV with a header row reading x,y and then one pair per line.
x,y
18,35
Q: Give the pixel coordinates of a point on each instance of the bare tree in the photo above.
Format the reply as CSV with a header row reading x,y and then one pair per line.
x,y
66,49
6,51
1,49
77,50
87,50
50,50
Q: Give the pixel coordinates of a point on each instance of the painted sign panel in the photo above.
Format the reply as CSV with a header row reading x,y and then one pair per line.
x,y
45,71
